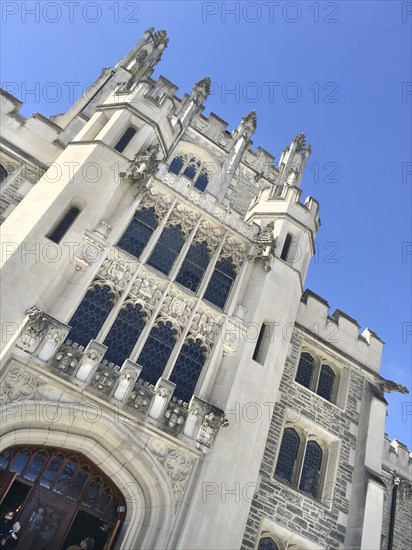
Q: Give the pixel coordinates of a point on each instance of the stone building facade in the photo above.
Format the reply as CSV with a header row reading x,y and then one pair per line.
x,y
166,381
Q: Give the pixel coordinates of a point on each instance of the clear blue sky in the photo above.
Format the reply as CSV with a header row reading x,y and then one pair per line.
x,y
335,70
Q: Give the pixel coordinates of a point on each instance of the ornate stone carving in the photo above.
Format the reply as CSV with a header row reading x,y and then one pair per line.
x,y
34,330
206,323
176,464
209,428
301,144
184,217
248,125
234,250
104,379
103,229
175,416
154,198
147,288
159,38
210,234
19,385
175,308
201,91
140,398
388,386
117,270
265,245
89,252
144,164
66,360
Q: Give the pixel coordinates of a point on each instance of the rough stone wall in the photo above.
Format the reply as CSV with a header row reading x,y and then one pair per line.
x,y
318,522
403,517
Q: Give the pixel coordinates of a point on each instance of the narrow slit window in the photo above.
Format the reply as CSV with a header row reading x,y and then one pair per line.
x,y
58,232
262,344
125,139
286,247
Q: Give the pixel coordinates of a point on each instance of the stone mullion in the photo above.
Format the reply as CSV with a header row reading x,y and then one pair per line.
x,y
182,254
297,474
104,331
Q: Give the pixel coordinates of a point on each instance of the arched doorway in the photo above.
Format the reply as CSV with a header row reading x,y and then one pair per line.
x,y
60,497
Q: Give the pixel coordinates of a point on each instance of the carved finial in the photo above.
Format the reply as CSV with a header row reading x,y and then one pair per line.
x,y
159,38
301,143
248,125
201,90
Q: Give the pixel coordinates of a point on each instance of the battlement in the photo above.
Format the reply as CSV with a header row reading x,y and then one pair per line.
x,y
340,331
396,456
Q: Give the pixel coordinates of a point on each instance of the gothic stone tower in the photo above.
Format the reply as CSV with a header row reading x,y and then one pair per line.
x,y
163,384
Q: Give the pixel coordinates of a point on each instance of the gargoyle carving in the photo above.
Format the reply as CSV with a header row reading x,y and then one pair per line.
x,y
388,386
265,247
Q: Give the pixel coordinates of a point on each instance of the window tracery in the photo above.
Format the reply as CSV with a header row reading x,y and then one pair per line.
x,y
192,168
317,376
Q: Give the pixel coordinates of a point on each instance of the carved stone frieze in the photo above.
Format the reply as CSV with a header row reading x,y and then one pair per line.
x,y
117,269
155,198
20,385
211,234
234,250
89,252
34,329
176,464
104,379
147,288
184,217
206,323
140,398
212,422
66,359
175,416
176,308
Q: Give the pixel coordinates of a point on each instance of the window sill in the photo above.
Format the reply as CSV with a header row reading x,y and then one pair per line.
x,y
303,494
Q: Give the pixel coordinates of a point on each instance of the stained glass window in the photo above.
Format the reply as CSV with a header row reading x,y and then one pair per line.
x,y
125,139
177,164
288,454
202,181
156,351
36,465
286,247
57,234
305,370
124,333
187,369
311,469
267,544
192,168
138,232
91,314
221,282
194,266
167,249
326,382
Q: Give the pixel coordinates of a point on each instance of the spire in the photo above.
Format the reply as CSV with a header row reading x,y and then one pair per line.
x,y
201,91
293,161
247,126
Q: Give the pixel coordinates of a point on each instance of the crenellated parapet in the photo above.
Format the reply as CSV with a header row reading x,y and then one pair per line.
x,y
397,457
339,330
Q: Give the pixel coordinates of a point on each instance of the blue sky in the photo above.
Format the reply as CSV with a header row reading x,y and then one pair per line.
x,y
336,70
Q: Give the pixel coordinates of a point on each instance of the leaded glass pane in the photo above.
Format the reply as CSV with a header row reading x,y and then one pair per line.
x,y
124,333
91,314
305,370
156,352
267,544
138,232
220,283
193,267
311,469
20,461
52,470
187,369
176,165
191,169
167,249
326,382
202,181
288,455
125,139
36,465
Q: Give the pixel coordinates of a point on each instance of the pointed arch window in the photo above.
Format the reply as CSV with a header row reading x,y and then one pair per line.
x,y
124,333
91,313
312,463
125,139
326,382
138,232
300,462
62,227
187,369
286,247
194,266
3,173
288,455
167,249
156,351
267,543
221,282
306,367
191,168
